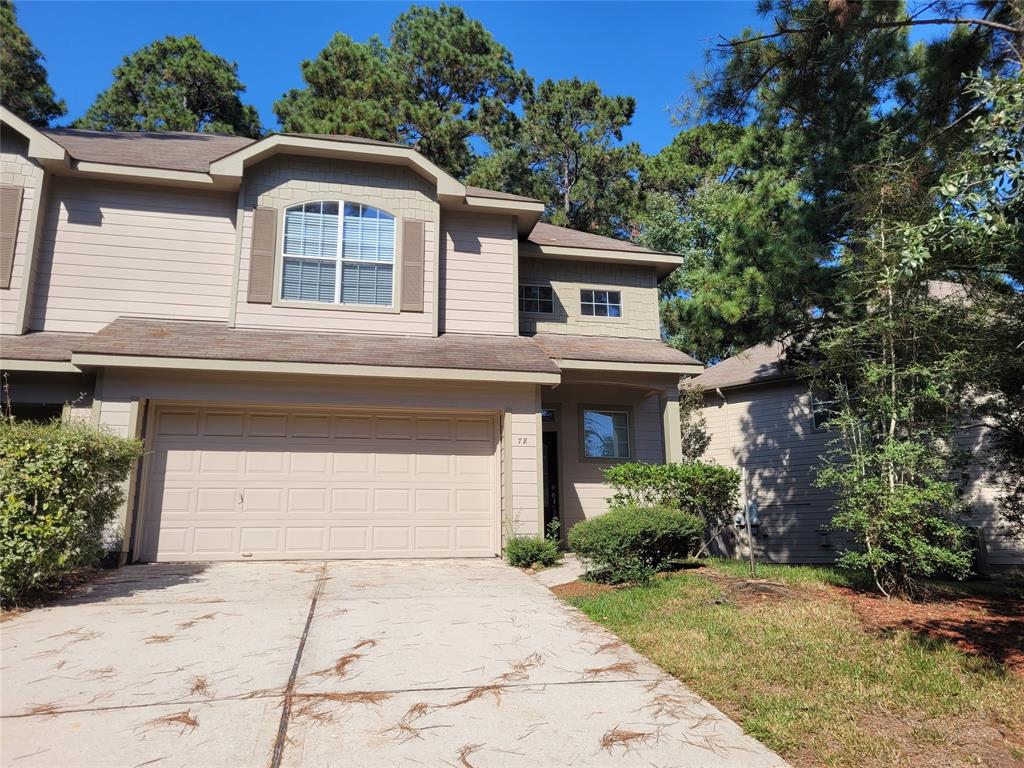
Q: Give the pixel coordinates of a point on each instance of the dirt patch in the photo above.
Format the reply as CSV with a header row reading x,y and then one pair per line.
x,y
580,588
991,628
957,743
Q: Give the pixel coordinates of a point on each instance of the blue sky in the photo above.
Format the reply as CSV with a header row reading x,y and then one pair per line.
x,y
644,49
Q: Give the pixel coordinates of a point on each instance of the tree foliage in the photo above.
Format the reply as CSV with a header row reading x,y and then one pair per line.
x,y
569,152
173,84
816,98
24,87
900,369
442,80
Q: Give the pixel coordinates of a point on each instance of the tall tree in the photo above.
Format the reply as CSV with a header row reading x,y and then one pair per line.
x,y
899,371
817,97
569,152
24,88
441,81
350,89
174,84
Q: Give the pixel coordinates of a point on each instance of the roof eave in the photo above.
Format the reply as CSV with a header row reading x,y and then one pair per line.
x,y
91,360
680,369
40,146
664,263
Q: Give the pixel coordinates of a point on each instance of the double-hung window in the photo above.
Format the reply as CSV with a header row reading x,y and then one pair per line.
x,y
338,253
605,433
601,303
537,299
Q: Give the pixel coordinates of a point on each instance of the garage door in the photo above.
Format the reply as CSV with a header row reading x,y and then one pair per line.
x,y
227,484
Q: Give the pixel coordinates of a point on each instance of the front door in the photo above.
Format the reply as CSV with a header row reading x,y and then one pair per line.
x,y
550,479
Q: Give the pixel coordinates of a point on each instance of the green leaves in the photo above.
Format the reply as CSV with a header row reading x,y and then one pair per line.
x,y
60,486
23,80
442,80
174,84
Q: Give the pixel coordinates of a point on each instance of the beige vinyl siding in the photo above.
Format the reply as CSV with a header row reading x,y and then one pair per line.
x,y
638,286
283,181
982,494
769,432
583,493
121,388
123,249
17,170
479,293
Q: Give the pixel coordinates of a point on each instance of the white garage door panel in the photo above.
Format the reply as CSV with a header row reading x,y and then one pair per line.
x,y
229,484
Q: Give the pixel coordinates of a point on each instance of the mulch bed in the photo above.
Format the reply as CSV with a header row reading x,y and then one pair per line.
x,y
580,589
988,627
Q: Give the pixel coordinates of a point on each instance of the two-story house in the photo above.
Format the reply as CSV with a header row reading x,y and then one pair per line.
x,y
330,347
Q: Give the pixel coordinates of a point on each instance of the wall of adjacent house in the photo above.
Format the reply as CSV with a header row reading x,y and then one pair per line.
x,y
768,431
638,286
18,170
111,249
478,257
583,493
282,181
120,390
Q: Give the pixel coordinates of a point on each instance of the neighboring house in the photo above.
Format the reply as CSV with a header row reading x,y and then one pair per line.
x,y
321,341
766,423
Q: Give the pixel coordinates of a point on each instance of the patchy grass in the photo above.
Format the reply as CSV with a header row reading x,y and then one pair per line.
x,y
803,673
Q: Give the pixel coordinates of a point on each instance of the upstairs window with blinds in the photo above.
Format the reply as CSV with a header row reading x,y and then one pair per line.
x,y
338,259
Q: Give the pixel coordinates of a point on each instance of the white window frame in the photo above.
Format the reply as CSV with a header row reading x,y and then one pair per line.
x,y
630,436
539,312
339,260
608,304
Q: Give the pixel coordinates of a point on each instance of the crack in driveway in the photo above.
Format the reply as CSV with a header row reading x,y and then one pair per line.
x,y
289,690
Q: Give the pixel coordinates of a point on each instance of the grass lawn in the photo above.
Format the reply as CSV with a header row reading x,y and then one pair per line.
x,y
801,672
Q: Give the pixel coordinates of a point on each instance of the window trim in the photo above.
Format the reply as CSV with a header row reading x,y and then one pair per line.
x,y
819,405
602,318
582,409
396,278
554,299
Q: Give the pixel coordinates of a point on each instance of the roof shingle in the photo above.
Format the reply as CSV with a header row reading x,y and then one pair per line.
x,y
551,235
213,341
40,346
169,150
611,350
763,363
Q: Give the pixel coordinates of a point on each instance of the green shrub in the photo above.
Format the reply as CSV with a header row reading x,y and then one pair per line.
x,y
707,490
526,551
60,485
629,544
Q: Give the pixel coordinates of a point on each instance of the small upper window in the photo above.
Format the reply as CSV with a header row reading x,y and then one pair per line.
x,y
823,411
539,299
346,259
601,303
605,434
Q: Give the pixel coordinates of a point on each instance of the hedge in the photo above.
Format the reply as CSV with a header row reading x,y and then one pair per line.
x,y
60,486
630,544
707,490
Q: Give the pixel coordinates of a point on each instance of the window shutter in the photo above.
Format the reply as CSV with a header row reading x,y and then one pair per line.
x,y
261,258
10,213
412,266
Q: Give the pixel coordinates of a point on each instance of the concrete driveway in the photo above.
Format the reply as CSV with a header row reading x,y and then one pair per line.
x,y
384,663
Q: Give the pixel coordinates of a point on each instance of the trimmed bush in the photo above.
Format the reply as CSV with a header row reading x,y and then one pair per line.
x,y
526,551
707,490
60,486
630,544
